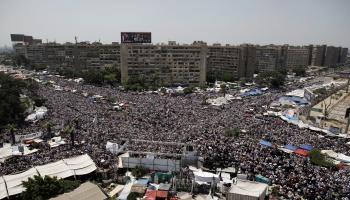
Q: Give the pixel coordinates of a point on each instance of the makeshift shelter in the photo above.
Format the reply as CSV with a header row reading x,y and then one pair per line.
x,y
81,164
262,179
290,147
162,194
306,147
265,143
86,191
139,186
343,158
3,192
14,182
59,169
151,194
160,177
126,191
247,190
301,152
206,177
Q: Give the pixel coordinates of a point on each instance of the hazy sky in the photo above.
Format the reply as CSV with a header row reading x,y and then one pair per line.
x,y
224,21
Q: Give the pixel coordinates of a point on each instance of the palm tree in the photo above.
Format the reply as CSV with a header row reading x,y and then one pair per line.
x,y
12,129
48,126
223,89
68,130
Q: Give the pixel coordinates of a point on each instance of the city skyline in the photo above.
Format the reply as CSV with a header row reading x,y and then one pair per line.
x,y
231,22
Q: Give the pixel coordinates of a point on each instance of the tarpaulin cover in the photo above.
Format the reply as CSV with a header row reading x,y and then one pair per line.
x,y
3,192
164,186
262,179
265,143
343,158
252,92
306,147
206,177
291,147
301,152
86,191
14,182
59,169
162,177
247,190
151,194
81,164
162,194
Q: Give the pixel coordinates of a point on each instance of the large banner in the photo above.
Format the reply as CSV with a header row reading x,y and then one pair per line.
x,y
19,138
136,37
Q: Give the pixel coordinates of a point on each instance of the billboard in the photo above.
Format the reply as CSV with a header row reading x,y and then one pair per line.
x,y
17,37
28,39
135,37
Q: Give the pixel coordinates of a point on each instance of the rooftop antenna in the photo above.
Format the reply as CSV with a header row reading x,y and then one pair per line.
x,y
76,39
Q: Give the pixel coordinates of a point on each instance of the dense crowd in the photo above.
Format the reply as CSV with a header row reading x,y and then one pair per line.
x,y
184,118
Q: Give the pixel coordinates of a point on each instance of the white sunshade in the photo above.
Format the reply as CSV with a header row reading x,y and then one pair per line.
x,y
81,165
59,169
14,182
3,192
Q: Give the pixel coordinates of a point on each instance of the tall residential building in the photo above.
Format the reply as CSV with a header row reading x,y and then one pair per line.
x,y
318,55
247,61
332,56
267,58
297,56
343,55
223,62
166,64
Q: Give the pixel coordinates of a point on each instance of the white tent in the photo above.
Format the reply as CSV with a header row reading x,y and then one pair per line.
x,y
207,177
86,191
343,158
59,169
14,182
247,190
38,114
81,164
3,192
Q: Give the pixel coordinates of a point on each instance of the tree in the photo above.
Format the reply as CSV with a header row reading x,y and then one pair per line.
x,y
317,158
40,188
300,71
274,79
48,126
12,128
223,89
138,171
188,90
11,109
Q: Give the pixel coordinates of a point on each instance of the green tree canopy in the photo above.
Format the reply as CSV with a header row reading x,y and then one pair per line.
x,y
11,109
40,188
300,71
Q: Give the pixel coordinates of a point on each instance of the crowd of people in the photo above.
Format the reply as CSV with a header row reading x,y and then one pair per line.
x,y
185,119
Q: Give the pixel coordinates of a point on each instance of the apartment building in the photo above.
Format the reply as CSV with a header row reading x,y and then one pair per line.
x,y
267,58
170,64
223,62
318,55
332,56
297,56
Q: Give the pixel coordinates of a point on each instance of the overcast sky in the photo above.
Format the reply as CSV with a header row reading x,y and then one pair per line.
x,y
225,21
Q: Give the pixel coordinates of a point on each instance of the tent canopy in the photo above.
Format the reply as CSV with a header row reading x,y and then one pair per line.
x,y
291,147
248,188
86,191
306,147
301,152
265,143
